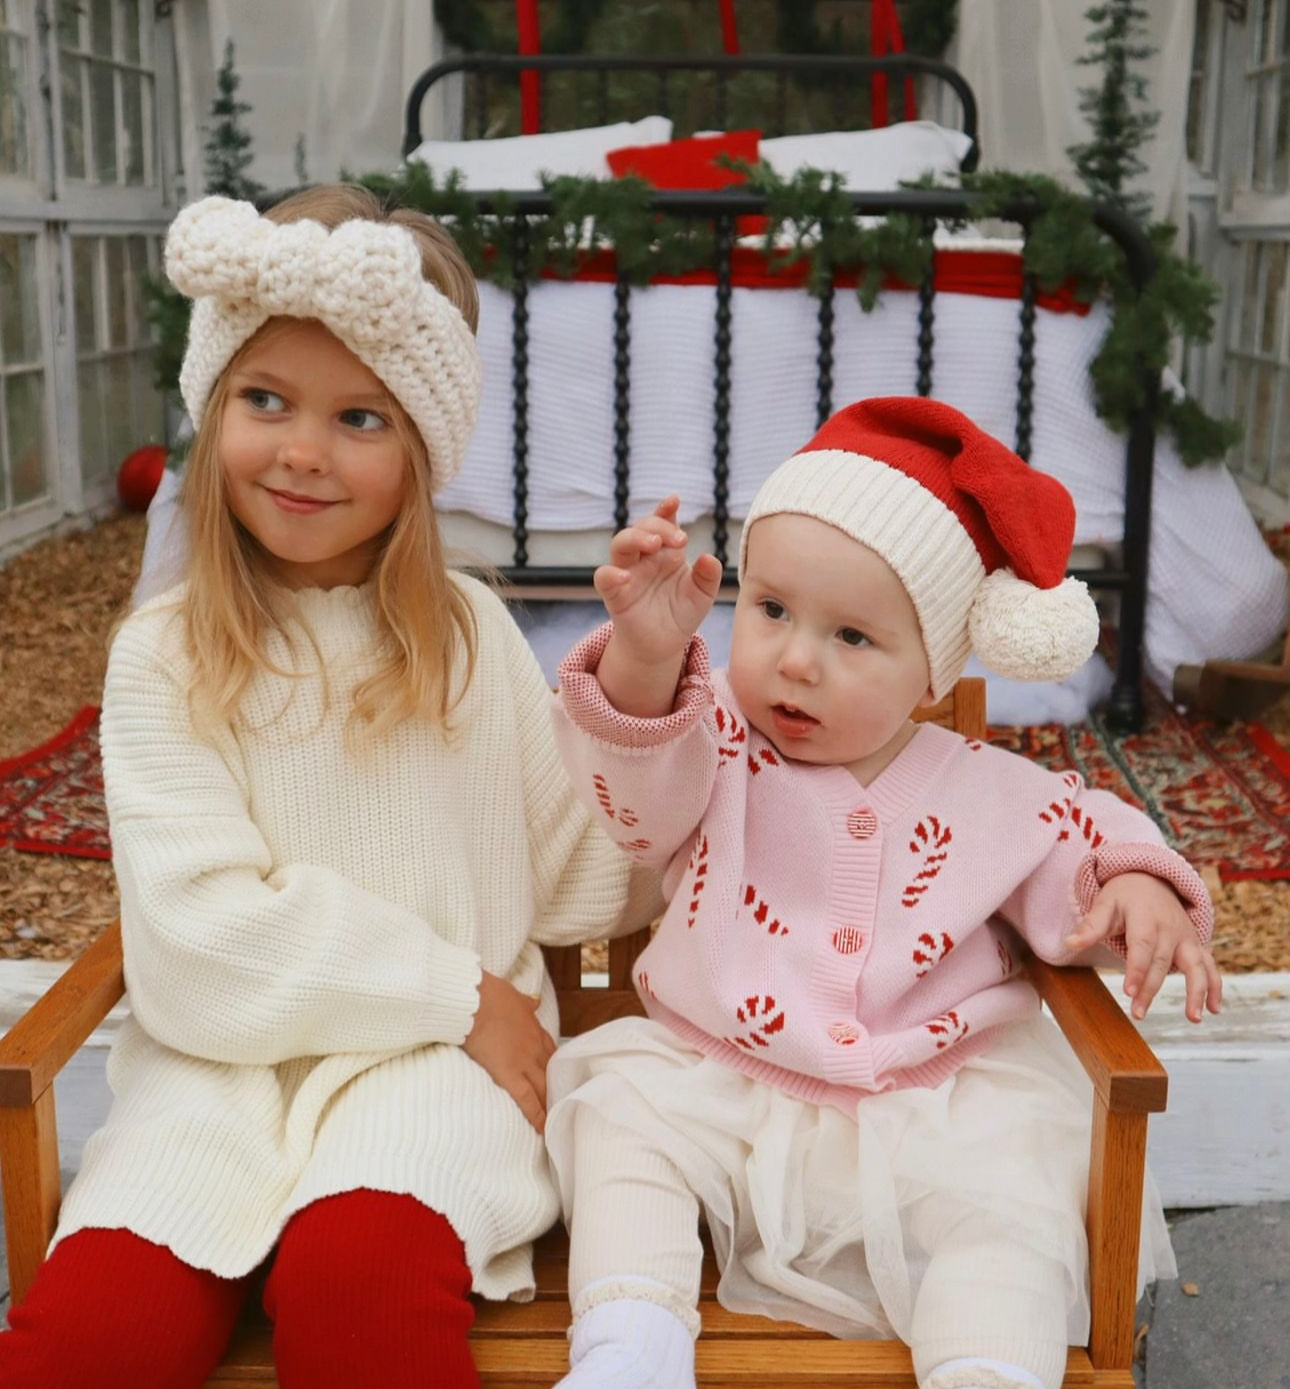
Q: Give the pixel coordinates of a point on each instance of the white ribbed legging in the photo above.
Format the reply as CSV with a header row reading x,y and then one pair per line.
x,y
635,1233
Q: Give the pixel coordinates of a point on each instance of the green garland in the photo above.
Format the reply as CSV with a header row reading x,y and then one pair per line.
x,y
812,212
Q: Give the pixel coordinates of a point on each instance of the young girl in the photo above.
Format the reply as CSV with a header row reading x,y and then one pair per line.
x,y
341,832
842,1066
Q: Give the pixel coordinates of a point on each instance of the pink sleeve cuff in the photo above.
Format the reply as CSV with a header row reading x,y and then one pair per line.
x,y
1097,869
585,703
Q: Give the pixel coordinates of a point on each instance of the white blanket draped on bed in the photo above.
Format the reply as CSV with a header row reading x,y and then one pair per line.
x,y
1214,588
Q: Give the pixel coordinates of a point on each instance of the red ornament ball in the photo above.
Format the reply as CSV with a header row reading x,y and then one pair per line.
x,y
139,476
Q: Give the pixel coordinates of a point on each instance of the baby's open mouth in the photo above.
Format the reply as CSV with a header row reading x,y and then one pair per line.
x,y
792,722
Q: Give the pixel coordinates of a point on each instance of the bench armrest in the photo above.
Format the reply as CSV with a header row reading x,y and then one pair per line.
x,y
32,1053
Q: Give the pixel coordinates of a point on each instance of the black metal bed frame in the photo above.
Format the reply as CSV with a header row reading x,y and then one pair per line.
x,y
1129,580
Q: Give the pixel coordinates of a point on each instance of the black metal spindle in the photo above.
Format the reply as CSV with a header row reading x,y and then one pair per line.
x,y
622,400
824,357
481,104
781,102
520,390
725,230
664,97
604,96
1026,368
927,315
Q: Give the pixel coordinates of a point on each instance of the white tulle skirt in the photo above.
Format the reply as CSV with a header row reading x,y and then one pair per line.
x,y
829,1219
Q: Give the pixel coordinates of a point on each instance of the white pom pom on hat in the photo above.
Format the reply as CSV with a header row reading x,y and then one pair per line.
x,y
980,539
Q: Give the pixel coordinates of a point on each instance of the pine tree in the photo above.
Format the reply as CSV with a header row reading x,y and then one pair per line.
x,y
228,143
1109,161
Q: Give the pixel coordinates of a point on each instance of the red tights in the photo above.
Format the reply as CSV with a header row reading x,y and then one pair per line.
x,y
368,1291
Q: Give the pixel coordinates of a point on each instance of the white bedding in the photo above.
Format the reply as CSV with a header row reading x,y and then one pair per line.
x,y
1214,588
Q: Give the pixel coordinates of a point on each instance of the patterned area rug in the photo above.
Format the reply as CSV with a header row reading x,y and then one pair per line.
x,y
51,799
1219,792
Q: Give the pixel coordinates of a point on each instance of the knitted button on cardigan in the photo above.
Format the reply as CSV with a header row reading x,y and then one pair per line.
x,y
831,938
304,930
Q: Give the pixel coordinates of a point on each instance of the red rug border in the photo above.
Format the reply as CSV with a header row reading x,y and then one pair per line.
x,y
80,722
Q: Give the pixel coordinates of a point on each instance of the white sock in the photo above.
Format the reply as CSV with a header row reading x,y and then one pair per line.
x,y
630,1343
978,1372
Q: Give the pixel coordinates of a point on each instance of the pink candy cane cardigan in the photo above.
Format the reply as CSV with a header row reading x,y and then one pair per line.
x,y
835,939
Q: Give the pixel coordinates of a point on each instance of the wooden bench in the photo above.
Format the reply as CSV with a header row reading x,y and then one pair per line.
x,y
524,1344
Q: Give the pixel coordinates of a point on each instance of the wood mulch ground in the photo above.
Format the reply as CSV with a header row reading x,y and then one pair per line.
x,y
58,601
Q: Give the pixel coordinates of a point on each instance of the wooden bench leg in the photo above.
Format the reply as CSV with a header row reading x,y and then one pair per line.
x,y
32,1188
1117,1158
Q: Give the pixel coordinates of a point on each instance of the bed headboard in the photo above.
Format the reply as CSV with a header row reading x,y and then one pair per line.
x,y
848,80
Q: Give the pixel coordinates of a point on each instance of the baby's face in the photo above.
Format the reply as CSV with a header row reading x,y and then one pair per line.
x,y
826,657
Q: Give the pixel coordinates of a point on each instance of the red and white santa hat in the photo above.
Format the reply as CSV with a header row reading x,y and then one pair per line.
x,y
980,539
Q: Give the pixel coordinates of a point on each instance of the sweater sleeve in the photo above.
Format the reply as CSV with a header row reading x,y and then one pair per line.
x,y
647,782
1100,837
583,886
228,958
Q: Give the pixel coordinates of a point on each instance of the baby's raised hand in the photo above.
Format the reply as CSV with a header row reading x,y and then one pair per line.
x,y
656,598
1158,935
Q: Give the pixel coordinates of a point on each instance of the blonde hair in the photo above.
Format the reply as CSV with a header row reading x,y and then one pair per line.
x,y
232,602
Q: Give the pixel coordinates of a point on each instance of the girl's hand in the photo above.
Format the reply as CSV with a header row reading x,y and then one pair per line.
x,y
511,1045
1158,935
655,597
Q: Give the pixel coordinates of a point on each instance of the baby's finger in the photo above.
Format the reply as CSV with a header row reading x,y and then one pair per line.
x,y
708,574
1161,959
1191,961
632,544
1214,985
1096,926
668,508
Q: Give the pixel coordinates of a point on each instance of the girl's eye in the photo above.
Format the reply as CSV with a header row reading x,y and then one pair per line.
x,y
852,636
363,419
260,399
772,609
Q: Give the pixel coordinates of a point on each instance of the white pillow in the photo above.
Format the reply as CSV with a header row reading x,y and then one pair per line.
x,y
516,162
871,161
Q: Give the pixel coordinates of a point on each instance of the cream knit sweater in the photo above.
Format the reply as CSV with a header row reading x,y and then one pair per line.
x,y
304,931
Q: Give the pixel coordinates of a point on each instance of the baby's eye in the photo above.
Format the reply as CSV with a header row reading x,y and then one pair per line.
x,y
772,609
852,636
260,399
363,419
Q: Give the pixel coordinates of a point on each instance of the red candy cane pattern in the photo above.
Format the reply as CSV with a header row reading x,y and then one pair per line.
x,y
1056,811
1083,822
625,817
733,735
930,840
761,912
764,757
930,951
699,867
947,1029
761,1017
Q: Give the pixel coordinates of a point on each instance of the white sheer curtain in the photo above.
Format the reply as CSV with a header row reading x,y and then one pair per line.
x,y
336,72
1021,57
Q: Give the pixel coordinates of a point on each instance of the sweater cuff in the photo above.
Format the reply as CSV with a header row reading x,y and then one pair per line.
x,y
1098,868
584,701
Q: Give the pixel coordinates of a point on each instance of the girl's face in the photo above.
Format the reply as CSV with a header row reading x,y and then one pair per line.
x,y
826,656
313,465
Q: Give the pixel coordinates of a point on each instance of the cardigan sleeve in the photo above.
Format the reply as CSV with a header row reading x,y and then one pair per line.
x,y
583,886
1100,837
647,782
228,958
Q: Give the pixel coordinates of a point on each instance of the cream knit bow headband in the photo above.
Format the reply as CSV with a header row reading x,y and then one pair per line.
x,y
363,281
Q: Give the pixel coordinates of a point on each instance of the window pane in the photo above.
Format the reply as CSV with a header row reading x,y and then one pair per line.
x,y
121,436
69,23
117,292
83,259
89,385
1282,174
137,254
1264,16
101,27
147,401
24,409
13,104
71,76
1259,133
103,114
1260,420
130,49
132,127
1249,296
19,316
1274,255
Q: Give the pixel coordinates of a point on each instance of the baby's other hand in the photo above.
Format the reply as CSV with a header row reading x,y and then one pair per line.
x,y
1158,935
656,598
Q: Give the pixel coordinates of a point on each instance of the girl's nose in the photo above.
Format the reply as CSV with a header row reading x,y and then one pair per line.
x,y
302,449
797,660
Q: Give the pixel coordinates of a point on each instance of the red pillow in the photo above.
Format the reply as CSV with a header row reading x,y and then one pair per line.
x,y
692,164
